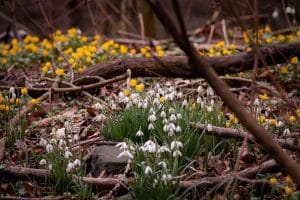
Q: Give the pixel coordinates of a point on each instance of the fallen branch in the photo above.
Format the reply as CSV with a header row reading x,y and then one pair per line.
x,y
178,66
240,135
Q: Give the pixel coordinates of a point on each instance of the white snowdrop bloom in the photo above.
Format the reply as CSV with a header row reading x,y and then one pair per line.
x,y
151,111
172,126
11,90
76,163
148,170
13,95
50,167
163,114
121,95
279,124
210,91
166,178
290,10
151,93
199,100
179,116
156,101
43,162
176,153
256,102
172,110
139,133
98,106
171,96
145,105
163,164
173,118
212,102
170,132
209,108
126,100
125,153
79,32
286,132
140,104
185,103
200,89
171,89
151,126
60,133
68,127
128,105
61,143
202,105
161,92
150,146
43,142
113,106
163,149
70,167
209,127
53,141
122,145
68,154
178,129
165,121
179,95
49,148
152,118
176,144
166,128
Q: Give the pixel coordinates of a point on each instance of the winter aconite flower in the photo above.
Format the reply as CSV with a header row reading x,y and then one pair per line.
x,y
288,190
24,91
140,87
59,72
288,180
133,82
273,181
292,119
33,101
294,60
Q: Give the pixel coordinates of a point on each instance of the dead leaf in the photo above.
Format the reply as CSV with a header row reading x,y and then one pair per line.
x,y
2,147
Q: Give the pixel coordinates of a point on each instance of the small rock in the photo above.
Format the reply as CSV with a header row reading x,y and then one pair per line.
x,y
105,157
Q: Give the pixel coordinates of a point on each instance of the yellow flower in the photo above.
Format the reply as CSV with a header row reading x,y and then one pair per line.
x,y
59,72
227,125
298,112
160,53
4,61
162,99
158,48
148,55
280,38
220,44
12,100
24,91
123,49
292,118
45,69
263,96
273,181
294,60
140,87
48,64
235,120
143,51
232,46
288,190
267,29
88,59
132,51
133,82
17,101
33,101
284,70
269,40
80,70
288,180
272,122
262,118
126,92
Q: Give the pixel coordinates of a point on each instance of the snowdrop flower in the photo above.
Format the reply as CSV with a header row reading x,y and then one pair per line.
x,y
152,118
209,127
173,117
176,144
209,108
140,104
179,116
98,106
176,153
125,153
286,132
53,141
166,178
60,133
165,121
49,148
43,142
68,154
145,105
163,149
113,106
200,89
68,127
11,90
62,143
178,129
199,100
43,162
256,102
13,95
75,138
50,167
163,164
275,14
149,146
212,102
148,170
179,95
150,126
171,110
70,167
290,10
139,133
163,114
122,145
156,101
171,133
76,163
210,91
185,103
280,124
